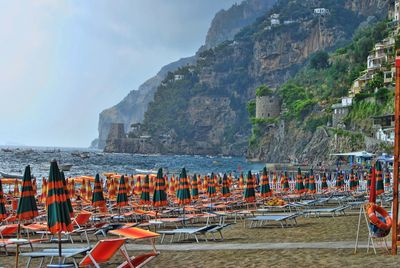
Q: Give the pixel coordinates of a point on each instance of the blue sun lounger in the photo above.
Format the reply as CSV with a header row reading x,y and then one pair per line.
x,y
284,220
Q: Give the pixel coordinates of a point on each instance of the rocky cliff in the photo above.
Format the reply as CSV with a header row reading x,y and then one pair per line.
x,y
223,27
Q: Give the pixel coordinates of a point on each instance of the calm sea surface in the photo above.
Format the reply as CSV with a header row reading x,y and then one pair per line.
x,y
90,162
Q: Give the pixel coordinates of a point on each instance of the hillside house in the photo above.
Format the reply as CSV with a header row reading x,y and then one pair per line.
x,y
384,127
340,111
321,11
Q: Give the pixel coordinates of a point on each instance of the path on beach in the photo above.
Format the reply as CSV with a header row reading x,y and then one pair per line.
x,y
229,246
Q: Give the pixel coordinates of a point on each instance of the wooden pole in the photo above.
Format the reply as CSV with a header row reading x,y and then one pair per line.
x,y
396,159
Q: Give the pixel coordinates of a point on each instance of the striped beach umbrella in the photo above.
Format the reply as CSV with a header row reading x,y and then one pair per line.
x,y
16,189
83,189
89,192
369,177
183,196
205,183
356,181
71,188
133,192
34,187
352,184
159,196
112,188
122,197
145,194
387,178
324,183
225,187
274,180
138,186
97,196
71,211
249,191
299,187
286,186
338,183
211,190
379,180
172,188
241,181
312,188
265,190
3,211
195,188
58,217
27,208
306,183
43,195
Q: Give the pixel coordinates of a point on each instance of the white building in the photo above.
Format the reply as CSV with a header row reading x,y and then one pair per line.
x,y
321,11
178,77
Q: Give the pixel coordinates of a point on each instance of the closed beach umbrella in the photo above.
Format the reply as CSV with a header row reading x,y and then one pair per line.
x,y
379,180
338,183
71,211
286,186
356,181
183,196
89,191
172,188
387,178
225,187
299,187
211,190
274,179
241,181
312,188
138,186
98,197
43,195
324,183
352,184
265,189
122,197
369,177
3,212
306,183
111,189
16,188
159,196
195,188
58,216
27,208
34,187
249,191
71,185
145,195
205,183
83,189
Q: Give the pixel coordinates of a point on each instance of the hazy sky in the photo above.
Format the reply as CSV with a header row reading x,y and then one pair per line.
x,y
63,62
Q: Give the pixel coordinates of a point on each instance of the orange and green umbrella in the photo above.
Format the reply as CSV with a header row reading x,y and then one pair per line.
x,y
58,217
3,212
122,197
225,187
249,191
172,188
265,190
306,183
274,179
98,197
379,180
324,183
241,181
159,196
71,186
145,195
27,208
211,189
352,183
369,177
43,195
83,189
286,186
387,178
16,189
195,188
312,188
111,189
71,211
338,183
89,191
34,186
183,195
299,187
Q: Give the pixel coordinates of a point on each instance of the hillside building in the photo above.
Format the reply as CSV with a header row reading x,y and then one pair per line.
x,y
340,111
321,11
268,106
384,128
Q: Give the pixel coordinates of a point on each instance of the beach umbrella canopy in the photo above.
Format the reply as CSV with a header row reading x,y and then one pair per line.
x,y
27,208
195,188
299,187
324,183
43,195
387,178
338,183
138,186
225,187
16,189
71,211
312,188
249,191
3,212
58,217
286,186
369,177
352,184
83,189
34,186
379,180
211,189
172,188
241,181
122,197
306,183
71,186
183,196
89,191
265,189
159,196
111,189
98,197
145,193
274,178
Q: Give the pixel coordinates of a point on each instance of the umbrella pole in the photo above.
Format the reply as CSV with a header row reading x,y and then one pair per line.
x,y
59,247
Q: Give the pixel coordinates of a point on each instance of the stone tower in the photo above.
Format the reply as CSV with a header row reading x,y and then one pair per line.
x,y
268,106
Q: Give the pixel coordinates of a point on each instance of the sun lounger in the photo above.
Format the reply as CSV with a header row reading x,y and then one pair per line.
x,y
52,253
282,219
185,232
327,211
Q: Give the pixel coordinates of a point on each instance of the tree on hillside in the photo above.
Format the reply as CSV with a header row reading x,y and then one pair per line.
x,y
319,60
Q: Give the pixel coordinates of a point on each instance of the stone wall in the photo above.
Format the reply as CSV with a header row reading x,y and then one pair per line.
x,y
268,106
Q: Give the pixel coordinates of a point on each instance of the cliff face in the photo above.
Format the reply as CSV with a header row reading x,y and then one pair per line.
x,y
223,27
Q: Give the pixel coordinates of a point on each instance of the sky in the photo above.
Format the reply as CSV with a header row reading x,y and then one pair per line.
x,y
63,62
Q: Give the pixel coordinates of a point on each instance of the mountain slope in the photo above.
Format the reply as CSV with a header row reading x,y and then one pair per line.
x,y
224,26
